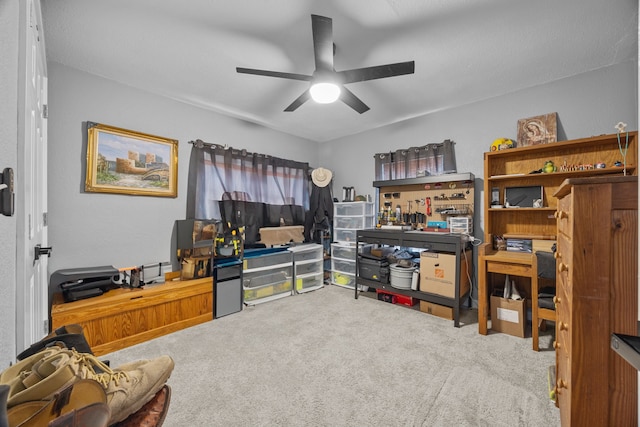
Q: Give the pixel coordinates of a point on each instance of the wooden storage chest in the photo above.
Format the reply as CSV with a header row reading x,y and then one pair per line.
x,y
124,317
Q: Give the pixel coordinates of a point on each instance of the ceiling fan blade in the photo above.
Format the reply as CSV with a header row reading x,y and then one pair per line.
x,y
378,72
352,101
299,101
322,28
291,76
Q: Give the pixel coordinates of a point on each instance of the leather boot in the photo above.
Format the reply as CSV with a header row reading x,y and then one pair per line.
x,y
94,415
4,394
37,413
72,336
152,414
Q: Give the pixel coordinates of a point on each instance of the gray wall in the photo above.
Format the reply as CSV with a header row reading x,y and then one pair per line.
x,y
588,104
91,229
9,17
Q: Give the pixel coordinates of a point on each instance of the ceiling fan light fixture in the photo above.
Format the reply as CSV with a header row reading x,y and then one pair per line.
x,y
324,92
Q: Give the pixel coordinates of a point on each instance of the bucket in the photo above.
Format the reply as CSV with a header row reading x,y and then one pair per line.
x,y
401,277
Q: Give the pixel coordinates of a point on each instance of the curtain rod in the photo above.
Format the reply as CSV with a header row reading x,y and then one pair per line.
x,y
200,143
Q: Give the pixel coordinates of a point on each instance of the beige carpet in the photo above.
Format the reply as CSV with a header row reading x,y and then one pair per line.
x,y
326,359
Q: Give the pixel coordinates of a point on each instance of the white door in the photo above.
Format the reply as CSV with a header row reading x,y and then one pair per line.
x,y
32,305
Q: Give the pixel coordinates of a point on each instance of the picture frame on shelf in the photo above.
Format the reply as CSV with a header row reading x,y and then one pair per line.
x,y
122,161
536,130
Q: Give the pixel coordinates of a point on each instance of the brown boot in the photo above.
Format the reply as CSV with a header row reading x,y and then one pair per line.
x,y
153,413
39,413
4,394
72,336
94,415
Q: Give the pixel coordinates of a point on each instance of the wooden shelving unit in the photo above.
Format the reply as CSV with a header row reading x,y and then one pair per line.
x,y
515,168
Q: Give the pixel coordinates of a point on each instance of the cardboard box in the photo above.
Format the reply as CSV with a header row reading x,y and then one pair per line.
x,y
542,245
437,309
507,316
195,268
438,273
271,236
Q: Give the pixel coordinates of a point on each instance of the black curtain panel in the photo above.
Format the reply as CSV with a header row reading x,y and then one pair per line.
x,y
246,189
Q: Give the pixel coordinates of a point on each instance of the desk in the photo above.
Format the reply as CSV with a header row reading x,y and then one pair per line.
x,y
451,243
503,262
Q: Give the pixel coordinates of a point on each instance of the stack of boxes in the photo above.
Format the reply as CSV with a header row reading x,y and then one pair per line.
x,y
438,276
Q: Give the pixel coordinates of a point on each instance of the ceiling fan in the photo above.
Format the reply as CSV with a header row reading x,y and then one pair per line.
x,y
325,80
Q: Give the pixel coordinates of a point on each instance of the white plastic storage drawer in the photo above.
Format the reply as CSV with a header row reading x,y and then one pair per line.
x,y
307,267
263,283
266,260
310,251
346,281
343,251
309,282
353,208
267,293
343,279
343,266
355,222
344,235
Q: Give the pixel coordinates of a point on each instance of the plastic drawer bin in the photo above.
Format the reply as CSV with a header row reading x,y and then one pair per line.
x,y
353,208
267,292
374,270
266,259
343,266
309,282
346,280
308,267
355,222
345,235
343,279
307,252
269,277
343,251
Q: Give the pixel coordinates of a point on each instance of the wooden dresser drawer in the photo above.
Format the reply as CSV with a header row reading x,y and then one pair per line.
x,y
563,323
597,293
563,215
563,263
563,387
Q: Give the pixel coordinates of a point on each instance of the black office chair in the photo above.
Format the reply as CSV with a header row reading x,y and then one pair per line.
x,y
543,307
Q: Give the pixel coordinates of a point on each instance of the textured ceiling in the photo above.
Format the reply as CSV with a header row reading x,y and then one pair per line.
x,y
464,51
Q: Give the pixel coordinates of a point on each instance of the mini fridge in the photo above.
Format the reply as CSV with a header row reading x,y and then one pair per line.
x,y
227,289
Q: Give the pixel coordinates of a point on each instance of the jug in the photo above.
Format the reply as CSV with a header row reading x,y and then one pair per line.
x,y
347,194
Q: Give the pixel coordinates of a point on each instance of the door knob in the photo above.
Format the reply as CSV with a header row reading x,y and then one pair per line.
x,y
38,250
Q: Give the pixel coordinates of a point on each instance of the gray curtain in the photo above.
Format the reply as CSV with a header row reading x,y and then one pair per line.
x,y
246,189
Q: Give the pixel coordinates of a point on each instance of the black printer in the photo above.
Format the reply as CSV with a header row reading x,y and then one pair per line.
x,y
85,282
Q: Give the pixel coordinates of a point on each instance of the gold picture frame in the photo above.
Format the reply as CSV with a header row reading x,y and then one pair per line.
x,y
126,162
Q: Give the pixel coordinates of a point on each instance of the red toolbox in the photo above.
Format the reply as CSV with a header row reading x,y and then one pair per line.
x,y
394,298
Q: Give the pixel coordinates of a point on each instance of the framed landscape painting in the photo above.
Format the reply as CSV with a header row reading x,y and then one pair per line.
x,y
127,162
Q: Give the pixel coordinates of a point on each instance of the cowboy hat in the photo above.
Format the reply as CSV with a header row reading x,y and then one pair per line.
x,y
321,177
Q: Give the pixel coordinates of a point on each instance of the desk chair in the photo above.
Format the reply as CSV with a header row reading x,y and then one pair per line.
x,y
542,307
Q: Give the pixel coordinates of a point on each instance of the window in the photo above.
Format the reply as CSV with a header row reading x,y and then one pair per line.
x,y
246,189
